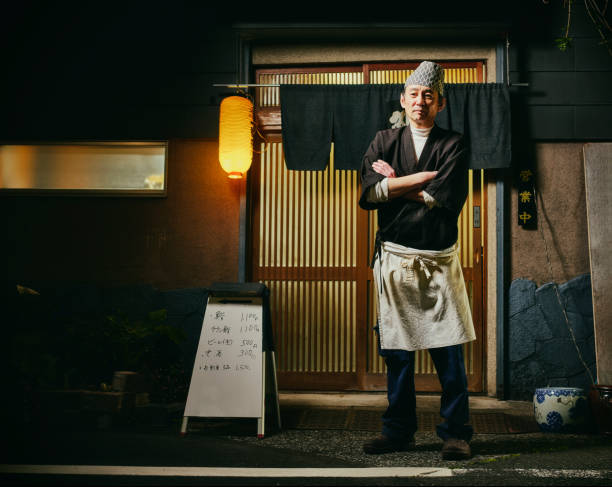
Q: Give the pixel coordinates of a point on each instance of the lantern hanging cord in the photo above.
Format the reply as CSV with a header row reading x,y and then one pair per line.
x,y
246,94
256,126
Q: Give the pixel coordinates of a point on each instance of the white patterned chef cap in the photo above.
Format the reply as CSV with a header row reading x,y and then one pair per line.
x,y
427,74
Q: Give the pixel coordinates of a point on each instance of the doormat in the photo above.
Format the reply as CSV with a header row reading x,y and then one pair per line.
x,y
354,419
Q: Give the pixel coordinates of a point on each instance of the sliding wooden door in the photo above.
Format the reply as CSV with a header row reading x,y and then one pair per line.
x,y
311,245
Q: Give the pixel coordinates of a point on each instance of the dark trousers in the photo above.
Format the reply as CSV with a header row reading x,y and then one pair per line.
x,y
400,419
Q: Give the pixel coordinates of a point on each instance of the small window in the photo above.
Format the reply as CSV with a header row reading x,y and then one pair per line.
x,y
97,168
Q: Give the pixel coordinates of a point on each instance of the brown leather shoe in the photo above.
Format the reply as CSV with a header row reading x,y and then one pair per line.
x,y
384,444
456,449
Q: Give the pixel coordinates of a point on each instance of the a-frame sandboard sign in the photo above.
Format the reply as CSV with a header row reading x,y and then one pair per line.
x,y
235,354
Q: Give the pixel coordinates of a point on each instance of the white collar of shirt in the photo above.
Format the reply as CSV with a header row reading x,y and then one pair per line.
x,y
419,137
416,132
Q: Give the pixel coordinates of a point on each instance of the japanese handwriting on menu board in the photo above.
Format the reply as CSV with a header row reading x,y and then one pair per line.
x,y
249,329
232,342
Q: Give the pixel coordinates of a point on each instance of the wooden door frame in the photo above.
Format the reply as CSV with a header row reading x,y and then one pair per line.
x,y
269,121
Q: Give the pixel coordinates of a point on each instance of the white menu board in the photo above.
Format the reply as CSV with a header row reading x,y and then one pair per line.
x,y
227,378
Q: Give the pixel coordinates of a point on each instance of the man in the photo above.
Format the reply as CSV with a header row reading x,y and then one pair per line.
x,y
416,176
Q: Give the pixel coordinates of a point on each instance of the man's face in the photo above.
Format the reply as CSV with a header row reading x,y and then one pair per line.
x,y
422,104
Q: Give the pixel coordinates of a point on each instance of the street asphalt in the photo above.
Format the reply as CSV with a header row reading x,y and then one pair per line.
x,y
501,459
228,452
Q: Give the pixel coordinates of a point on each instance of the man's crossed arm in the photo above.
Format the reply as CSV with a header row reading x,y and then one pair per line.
x,y
409,186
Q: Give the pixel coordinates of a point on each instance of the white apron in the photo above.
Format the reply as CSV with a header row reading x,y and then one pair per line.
x,y
422,300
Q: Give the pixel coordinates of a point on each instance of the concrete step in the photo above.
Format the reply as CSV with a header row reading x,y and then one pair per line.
x,y
430,402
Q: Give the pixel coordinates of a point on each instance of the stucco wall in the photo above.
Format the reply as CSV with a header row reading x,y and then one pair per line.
x,y
562,224
187,239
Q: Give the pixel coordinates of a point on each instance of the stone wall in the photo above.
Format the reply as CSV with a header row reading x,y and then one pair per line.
x,y
545,348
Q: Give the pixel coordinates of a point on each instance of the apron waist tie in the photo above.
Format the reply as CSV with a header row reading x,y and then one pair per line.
x,y
423,264
377,248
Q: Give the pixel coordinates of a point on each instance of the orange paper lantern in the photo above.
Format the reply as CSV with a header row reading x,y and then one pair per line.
x,y
236,135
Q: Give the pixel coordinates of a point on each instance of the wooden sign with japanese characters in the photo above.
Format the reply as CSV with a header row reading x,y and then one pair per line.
x,y
227,378
527,209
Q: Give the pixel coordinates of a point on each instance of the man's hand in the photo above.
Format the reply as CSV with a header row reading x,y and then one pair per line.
x,y
415,195
382,167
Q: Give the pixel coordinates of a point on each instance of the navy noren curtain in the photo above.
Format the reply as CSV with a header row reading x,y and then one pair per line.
x,y
350,115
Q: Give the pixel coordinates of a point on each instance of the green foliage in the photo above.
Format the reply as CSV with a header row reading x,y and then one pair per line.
x,y
86,350
142,345
597,13
563,43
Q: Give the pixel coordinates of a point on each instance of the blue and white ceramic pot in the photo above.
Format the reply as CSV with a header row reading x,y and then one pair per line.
x,y
560,409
